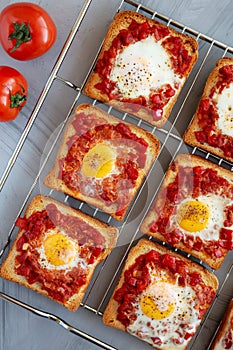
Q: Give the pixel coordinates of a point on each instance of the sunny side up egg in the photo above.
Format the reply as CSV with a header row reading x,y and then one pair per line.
x,y
224,103
203,216
99,161
58,251
98,164
142,67
161,310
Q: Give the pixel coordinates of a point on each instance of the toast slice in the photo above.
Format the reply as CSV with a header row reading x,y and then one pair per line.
x,y
224,337
56,251
211,127
193,210
102,160
142,67
160,290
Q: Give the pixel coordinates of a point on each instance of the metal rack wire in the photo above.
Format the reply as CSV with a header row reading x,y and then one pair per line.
x,y
172,132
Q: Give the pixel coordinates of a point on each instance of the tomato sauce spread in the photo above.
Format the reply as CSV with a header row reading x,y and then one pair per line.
x,y
63,283
228,339
193,182
174,46
137,278
208,116
115,188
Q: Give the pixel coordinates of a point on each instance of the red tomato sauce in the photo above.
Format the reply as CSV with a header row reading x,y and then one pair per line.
x,y
228,338
59,284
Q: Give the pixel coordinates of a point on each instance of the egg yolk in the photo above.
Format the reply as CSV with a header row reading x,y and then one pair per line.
x,y
59,250
152,308
99,161
193,216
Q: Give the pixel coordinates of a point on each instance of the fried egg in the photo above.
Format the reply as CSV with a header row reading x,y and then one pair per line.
x,y
99,161
58,251
165,310
159,302
98,164
141,67
203,216
224,103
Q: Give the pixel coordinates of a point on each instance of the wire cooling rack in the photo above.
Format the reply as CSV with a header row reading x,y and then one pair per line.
x,y
170,136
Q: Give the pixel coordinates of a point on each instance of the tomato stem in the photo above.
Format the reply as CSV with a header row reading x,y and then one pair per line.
x,y
18,98
21,34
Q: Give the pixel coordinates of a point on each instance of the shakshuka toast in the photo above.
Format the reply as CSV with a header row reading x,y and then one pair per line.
x,y
161,296
102,160
142,67
193,209
56,251
212,125
224,337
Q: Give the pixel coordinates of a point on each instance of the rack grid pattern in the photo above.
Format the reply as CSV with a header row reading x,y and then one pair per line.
x,y
171,134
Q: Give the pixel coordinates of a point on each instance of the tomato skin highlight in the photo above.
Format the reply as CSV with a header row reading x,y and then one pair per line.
x,y
13,93
33,23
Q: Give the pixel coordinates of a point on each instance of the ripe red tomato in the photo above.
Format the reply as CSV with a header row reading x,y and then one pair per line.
x,y
13,93
27,30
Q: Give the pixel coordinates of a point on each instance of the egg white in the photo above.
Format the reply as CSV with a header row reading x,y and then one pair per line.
x,y
141,67
217,205
224,103
169,327
76,261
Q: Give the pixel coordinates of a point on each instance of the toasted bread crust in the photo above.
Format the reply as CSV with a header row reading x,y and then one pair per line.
x,y
53,181
38,203
226,325
143,247
121,21
189,135
185,160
